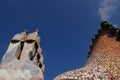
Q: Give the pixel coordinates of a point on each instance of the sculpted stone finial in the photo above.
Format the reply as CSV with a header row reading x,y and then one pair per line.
x,y
21,60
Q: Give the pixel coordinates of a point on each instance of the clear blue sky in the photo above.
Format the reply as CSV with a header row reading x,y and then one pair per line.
x,y
66,29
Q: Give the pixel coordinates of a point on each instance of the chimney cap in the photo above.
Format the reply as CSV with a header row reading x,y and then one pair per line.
x,y
26,30
37,30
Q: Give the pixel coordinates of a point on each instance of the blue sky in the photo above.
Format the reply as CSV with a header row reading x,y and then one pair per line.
x,y
66,28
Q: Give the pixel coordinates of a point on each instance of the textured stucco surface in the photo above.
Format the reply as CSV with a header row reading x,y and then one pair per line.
x,y
22,58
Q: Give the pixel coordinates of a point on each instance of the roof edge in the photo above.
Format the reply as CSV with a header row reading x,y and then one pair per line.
x,y
111,30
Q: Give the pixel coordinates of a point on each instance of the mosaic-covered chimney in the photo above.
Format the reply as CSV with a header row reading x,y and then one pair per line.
x,y
103,59
23,59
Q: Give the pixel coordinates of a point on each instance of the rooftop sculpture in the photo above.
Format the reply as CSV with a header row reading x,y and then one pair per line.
x,y
103,59
23,59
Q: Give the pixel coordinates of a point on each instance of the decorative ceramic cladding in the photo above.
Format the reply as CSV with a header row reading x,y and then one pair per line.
x,y
103,59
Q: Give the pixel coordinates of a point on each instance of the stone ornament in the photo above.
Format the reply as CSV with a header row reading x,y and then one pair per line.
x,y
23,59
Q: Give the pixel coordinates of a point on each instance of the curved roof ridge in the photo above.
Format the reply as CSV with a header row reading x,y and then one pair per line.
x,y
112,31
